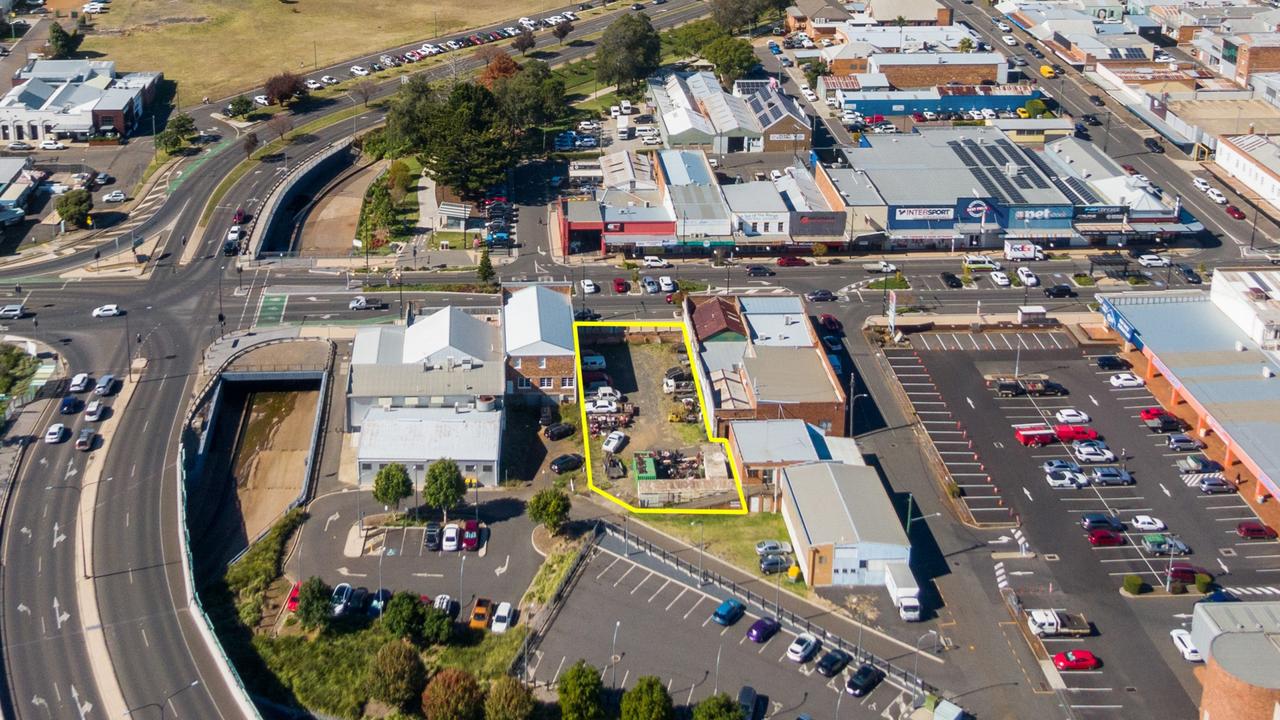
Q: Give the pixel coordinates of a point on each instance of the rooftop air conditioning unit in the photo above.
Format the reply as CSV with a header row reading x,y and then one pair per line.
x,y
1239,346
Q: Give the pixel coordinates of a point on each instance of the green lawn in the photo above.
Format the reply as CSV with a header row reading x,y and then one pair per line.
x,y
897,282
488,658
730,538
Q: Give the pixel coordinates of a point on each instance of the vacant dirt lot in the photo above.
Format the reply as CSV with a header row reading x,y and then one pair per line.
x,y
216,48
270,463
330,227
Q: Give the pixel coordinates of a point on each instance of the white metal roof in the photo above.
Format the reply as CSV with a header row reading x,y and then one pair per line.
x,y
414,434
538,321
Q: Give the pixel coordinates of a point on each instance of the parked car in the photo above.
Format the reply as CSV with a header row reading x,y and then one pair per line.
x,y
1188,275
1071,416
1187,649
1147,523
832,662
1111,362
1076,660
1255,530
1101,521
566,463
950,280
830,323
803,647
615,441
503,618
770,564
470,535
480,614
52,145
339,599
431,537
1126,380
621,286
115,196
1111,476
558,431
763,629
1182,442
1153,145
999,279
1066,479
728,612
452,538
790,261
863,680
1215,485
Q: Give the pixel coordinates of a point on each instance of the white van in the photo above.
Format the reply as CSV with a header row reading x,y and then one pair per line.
x,y
593,361
626,107
980,262
647,131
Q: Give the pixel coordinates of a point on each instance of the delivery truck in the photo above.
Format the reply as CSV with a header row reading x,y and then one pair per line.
x,y
1022,251
880,266
903,589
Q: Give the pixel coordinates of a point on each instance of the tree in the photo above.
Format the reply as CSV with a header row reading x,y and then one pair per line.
x,y
581,693
444,487
1036,108
280,124
484,271
281,88
728,15
812,70
392,484
508,699
692,40
402,617
550,508
239,106
819,250
733,58
60,43
562,30
437,626
314,610
74,206
718,707
629,51
523,42
168,141
453,695
362,90
398,175
965,45
647,700
396,674
182,124
500,66
531,97
249,143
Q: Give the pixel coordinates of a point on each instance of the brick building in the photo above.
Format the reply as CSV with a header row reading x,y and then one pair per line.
x,y
920,70
1239,644
537,322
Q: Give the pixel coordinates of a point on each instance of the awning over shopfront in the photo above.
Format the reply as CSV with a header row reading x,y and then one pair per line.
x,y
641,240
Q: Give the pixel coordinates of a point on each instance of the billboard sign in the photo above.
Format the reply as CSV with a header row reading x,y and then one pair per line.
x,y
928,214
1099,213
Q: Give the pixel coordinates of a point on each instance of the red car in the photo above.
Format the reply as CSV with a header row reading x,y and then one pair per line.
x,y
1071,433
620,285
830,323
1152,413
1255,530
918,117
1076,660
1130,169
1186,573
1234,212
470,535
792,262
1105,538
595,376
291,604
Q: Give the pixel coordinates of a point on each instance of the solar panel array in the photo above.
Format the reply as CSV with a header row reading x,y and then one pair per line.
x,y
1073,188
990,162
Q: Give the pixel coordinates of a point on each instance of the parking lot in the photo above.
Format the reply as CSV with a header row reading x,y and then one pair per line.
x,y
661,611
944,380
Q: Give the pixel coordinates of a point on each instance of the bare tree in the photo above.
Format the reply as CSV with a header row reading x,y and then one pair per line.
x,y
523,42
363,90
249,143
280,123
562,30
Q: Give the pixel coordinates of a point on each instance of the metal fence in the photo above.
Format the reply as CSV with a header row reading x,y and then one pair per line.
x,y
908,679
544,620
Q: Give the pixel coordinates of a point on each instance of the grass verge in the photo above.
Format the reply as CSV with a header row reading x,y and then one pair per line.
x,y
249,578
897,282
326,674
730,538
553,570
1083,280
487,659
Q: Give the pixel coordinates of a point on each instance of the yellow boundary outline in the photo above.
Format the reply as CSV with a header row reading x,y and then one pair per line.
x,y
702,401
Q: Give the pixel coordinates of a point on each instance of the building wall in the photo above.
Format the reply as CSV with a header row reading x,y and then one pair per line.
x,y
483,471
1245,169
537,377
1256,60
829,416
761,223
786,135
865,563
848,66
923,76
1224,697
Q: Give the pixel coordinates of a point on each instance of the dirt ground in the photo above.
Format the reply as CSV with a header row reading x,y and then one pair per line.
x,y
271,458
330,227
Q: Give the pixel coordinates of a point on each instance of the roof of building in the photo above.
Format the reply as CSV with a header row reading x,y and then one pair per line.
x,y
451,333
538,320
628,171
694,107
776,441
799,191
716,316
788,375
1196,343
887,11
760,196
67,70
11,169
1245,639
409,434
723,356
842,505
879,61
685,167
1262,148
935,166
418,380
698,202
855,188
771,305
869,38
780,330
770,107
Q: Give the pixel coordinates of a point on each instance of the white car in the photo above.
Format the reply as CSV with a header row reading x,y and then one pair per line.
x,y
1201,184
614,442
501,618
1004,27
802,648
1092,454
52,145
1142,179
1066,479
1028,277
359,70
601,405
999,279
1126,380
930,115
1009,40
79,383
588,126
589,287
115,196
608,393
106,311
1153,261
55,433
329,80
809,95
313,84
261,100
667,284
1216,195
1071,416
450,541
1182,641
1146,523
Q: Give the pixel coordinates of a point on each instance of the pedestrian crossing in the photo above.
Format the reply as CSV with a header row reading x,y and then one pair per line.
x,y
1193,479
1254,590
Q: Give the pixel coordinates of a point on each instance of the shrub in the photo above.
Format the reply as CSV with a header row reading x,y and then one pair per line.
x,y
1177,587
1203,582
953,489
453,695
508,699
249,578
581,693
396,674
1133,584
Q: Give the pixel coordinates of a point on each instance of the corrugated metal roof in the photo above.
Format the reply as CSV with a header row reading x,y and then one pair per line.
x,y
761,441
842,505
538,321
789,375
771,305
417,434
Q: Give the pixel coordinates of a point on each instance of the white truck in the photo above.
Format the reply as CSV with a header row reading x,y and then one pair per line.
x,y
672,385
361,302
1056,623
880,266
624,127
1018,251
903,589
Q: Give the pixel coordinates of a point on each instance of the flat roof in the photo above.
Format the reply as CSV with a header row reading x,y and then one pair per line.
x,y
430,433
1196,343
842,505
1261,148
770,305
1228,117
776,441
754,197
1244,639
789,375
780,330
854,187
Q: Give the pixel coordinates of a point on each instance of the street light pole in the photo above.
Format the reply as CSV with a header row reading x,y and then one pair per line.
x,y
853,404
613,655
915,670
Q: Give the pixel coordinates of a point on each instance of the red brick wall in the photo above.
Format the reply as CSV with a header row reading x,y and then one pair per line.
x,y
1257,60
848,66
558,367
1225,697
